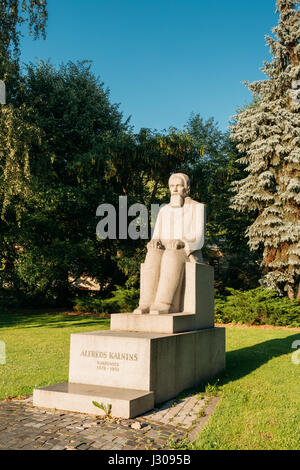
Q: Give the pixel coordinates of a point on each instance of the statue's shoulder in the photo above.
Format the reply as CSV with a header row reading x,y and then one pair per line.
x,y
192,201
165,207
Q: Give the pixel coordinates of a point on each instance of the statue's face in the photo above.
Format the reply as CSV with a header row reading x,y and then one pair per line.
x,y
178,191
177,187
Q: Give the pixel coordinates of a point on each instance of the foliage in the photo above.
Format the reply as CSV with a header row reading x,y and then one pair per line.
x,y
64,150
212,389
72,152
79,154
52,181
122,300
106,408
257,307
8,300
212,176
14,15
267,134
183,444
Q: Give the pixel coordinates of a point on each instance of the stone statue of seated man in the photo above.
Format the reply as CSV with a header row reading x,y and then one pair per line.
x,y
178,237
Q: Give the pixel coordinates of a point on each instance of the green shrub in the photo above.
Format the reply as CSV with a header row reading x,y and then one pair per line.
x,y
122,300
257,307
8,300
88,304
253,307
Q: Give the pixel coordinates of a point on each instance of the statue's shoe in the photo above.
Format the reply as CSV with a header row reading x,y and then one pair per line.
x,y
141,310
160,309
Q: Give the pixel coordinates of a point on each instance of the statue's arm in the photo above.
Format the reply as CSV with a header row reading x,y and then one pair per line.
x,y
175,244
154,244
194,238
155,241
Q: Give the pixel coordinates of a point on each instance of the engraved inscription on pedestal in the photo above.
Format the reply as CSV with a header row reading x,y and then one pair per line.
x,y
109,360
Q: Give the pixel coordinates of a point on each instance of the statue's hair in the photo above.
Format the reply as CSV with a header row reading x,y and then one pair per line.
x,y
185,178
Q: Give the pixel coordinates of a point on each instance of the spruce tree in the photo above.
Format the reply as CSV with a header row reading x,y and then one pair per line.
x,y
268,135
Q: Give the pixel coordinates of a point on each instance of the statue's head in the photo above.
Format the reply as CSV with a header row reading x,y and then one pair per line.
x,y
179,185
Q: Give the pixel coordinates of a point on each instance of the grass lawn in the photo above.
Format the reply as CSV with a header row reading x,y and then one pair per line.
x,y
37,349
260,404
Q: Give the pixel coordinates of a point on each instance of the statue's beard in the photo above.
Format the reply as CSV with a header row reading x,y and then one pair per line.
x,y
176,200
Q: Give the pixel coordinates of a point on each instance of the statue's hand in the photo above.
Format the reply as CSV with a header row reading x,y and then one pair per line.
x,y
175,244
154,244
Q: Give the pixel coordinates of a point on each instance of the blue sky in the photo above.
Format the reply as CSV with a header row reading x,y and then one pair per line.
x,y
163,59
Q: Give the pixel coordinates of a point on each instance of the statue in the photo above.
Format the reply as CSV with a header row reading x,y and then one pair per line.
x,y
178,237
159,362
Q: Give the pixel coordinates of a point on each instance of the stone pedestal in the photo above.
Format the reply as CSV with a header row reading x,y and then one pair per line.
x,y
144,359
198,311
67,396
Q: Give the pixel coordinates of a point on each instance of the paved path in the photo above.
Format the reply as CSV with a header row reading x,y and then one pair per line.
x,y
23,426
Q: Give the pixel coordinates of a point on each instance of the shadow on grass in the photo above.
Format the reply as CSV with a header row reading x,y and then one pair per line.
x,y
242,362
48,318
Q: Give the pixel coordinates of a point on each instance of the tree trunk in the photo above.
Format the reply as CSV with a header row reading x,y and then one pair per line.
x,y
291,293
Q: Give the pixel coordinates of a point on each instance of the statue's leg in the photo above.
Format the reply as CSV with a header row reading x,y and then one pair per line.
x,y
149,277
196,257
171,280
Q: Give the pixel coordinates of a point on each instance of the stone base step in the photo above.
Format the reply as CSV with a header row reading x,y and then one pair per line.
x,y
125,403
170,323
